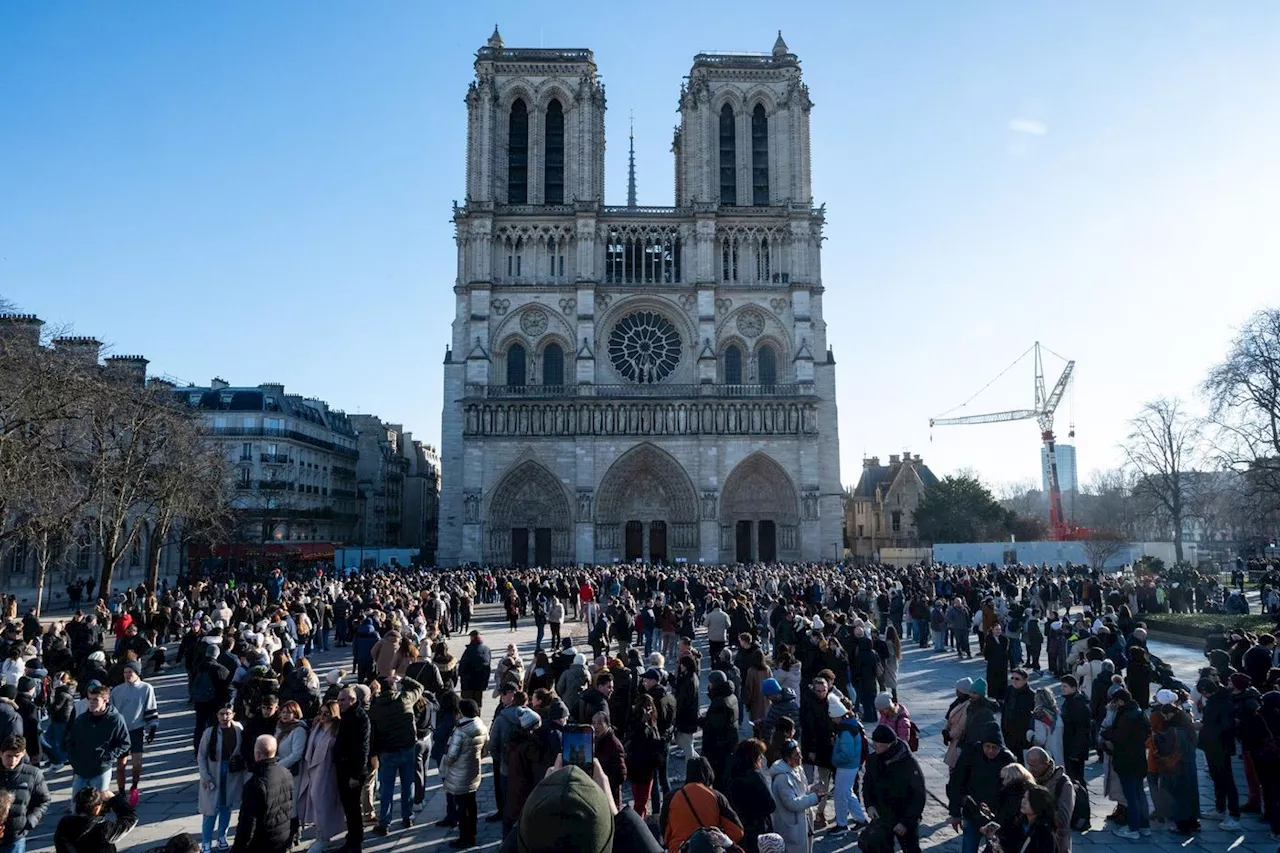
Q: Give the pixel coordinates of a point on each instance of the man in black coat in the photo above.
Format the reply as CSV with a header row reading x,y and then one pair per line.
x,y
87,830
973,791
1077,729
26,783
893,790
474,669
1019,703
351,760
264,809
1218,742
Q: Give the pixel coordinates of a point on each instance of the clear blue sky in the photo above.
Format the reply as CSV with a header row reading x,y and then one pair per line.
x,y
262,191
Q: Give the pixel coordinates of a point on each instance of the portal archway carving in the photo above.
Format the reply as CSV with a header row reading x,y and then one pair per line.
x,y
529,498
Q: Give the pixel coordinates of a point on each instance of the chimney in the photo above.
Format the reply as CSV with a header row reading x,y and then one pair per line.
x,y
894,459
873,462
20,328
272,388
130,367
81,349
157,382
218,383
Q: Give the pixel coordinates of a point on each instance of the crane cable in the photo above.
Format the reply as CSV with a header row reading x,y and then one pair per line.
x,y
985,387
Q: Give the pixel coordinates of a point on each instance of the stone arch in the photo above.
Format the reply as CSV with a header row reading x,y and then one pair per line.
x,y
530,498
647,484
761,95
759,490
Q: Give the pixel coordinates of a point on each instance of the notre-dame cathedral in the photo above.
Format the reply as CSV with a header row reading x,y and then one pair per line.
x,y
638,383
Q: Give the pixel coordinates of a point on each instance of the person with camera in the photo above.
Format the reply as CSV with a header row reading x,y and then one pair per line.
x,y
222,767
795,799
88,830
973,790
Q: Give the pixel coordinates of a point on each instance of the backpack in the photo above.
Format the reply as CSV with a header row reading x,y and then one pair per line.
x,y
202,688
1080,815
913,737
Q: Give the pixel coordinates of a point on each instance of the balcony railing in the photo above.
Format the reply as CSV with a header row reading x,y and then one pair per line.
x,y
275,485
284,433
275,458
647,392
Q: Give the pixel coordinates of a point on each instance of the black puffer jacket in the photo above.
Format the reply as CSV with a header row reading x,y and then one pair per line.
x,y
80,833
30,798
976,776
474,667
894,785
391,716
264,811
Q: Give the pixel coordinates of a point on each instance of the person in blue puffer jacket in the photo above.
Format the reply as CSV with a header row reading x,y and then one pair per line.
x,y
850,751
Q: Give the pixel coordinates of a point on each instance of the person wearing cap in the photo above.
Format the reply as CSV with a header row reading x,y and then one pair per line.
x,y
135,701
570,811
720,725
474,669
973,790
1175,786
1077,729
795,799
1126,739
96,740
847,757
894,791
460,769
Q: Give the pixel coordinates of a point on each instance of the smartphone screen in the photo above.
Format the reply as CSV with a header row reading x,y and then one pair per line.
x,y
578,747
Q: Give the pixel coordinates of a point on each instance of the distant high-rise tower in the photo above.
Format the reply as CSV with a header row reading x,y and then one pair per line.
x,y
1066,456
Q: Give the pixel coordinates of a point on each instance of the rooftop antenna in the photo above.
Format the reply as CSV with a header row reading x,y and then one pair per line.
x,y
631,167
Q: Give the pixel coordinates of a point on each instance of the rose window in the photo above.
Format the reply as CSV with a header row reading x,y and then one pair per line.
x,y
644,347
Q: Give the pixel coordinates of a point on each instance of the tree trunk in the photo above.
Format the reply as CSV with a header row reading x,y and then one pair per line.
x,y
109,560
42,568
1177,539
158,537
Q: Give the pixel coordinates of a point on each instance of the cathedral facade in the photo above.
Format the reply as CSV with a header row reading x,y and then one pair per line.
x,y
638,383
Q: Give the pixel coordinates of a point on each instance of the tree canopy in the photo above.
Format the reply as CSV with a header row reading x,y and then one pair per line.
x,y
961,509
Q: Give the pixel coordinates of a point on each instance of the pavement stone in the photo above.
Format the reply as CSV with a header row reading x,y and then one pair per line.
x,y
925,685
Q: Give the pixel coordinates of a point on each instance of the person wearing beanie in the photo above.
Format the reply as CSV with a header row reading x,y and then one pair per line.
x,y
782,703
894,715
665,704
571,812
135,701
1126,739
572,683
1077,729
893,791
847,758
794,798
720,726
975,782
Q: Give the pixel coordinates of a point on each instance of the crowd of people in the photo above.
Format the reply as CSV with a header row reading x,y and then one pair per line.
x,y
790,730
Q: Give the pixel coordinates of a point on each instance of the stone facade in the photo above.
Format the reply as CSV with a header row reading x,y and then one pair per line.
x,y
880,511
638,382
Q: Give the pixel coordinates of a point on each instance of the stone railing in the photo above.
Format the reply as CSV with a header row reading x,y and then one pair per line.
x,y
643,392
639,417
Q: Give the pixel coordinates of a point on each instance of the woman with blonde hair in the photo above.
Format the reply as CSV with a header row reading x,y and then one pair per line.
x,y
291,737
1046,725
318,801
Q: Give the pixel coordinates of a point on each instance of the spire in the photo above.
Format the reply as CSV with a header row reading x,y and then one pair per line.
x,y
631,166
495,40
780,47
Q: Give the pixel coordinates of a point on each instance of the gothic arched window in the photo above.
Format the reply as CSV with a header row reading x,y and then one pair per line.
x,y
518,154
553,365
733,365
515,365
759,156
767,366
728,157
553,173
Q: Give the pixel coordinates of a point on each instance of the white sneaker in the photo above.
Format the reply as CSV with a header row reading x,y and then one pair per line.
x,y
1125,832
1145,833
1230,824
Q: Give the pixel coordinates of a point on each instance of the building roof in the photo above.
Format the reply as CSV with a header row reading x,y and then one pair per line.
x,y
875,475
268,400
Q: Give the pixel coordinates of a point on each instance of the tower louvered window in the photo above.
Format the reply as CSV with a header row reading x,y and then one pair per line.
x,y
518,154
759,156
554,136
728,157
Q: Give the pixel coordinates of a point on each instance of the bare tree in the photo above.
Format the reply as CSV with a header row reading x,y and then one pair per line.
x,y
1107,502
1102,545
1244,399
1163,445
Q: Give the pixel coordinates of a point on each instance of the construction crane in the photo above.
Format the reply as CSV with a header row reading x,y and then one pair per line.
x,y
1045,405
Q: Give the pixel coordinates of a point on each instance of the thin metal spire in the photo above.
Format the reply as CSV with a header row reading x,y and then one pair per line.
x,y
631,167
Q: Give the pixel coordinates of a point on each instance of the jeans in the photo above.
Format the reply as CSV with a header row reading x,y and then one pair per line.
x,y
1015,652
324,639
421,759
846,801
972,836
54,739
391,764
542,629
101,781
223,822
922,632
1135,802
940,640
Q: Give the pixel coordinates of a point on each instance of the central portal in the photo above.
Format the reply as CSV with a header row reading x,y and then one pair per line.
x,y
646,509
